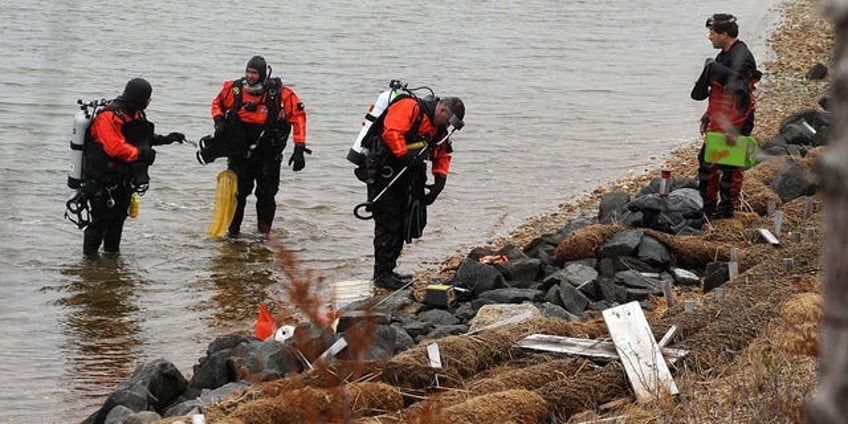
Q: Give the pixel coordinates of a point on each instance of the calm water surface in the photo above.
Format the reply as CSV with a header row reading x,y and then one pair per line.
x,y
561,95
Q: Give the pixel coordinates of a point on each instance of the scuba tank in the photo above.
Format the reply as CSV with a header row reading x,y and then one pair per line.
x,y
76,208
358,151
82,120
135,205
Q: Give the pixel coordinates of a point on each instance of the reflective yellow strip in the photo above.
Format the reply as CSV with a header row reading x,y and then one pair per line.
x,y
417,145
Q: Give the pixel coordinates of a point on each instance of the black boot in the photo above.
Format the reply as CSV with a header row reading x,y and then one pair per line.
x,y
723,211
389,281
92,238
404,277
709,208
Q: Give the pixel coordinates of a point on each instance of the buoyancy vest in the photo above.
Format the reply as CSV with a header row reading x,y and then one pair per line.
x,y
262,108
102,168
265,108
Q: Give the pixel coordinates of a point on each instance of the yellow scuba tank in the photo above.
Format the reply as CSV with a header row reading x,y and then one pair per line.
x,y
135,205
225,203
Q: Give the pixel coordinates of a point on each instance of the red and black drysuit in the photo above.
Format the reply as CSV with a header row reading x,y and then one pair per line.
x,y
117,153
729,84
400,214
262,123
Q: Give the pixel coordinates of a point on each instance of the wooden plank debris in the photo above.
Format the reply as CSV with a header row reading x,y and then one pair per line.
x,y
769,237
667,337
434,355
640,354
333,350
596,349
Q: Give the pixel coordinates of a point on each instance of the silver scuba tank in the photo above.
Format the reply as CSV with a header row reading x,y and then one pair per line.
x,y
81,121
358,152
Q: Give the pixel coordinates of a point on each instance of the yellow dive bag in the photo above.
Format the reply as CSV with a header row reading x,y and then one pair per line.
x,y
225,203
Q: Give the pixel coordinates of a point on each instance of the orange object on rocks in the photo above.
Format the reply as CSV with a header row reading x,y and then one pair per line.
x,y
493,259
265,323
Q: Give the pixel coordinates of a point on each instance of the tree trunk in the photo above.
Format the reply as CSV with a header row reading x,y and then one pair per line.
x,y
828,405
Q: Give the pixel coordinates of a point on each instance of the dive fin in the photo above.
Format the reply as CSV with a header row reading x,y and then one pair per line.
x,y
225,203
415,220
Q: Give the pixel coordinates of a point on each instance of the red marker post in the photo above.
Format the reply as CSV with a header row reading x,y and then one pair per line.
x,y
666,174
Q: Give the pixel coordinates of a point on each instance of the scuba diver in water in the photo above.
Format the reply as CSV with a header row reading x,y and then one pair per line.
x,y
253,117
413,130
117,152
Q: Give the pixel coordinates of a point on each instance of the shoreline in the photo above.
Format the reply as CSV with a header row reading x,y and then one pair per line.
x,y
782,91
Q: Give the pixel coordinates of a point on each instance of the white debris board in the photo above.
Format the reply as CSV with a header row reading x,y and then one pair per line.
x,y
639,353
769,237
597,349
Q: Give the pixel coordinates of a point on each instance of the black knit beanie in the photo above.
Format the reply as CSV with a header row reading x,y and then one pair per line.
x,y
258,63
137,93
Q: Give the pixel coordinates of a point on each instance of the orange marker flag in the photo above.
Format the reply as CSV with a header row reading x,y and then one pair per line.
x,y
265,323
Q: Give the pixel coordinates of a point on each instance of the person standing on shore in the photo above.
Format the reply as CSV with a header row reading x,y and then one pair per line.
x,y
258,112
410,126
728,82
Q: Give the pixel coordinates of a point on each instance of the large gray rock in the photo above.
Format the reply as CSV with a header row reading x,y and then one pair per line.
x,y
212,371
511,295
675,182
573,273
612,206
118,415
143,417
550,310
209,397
523,270
442,331
572,300
479,278
612,291
438,317
491,314
793,181
652,252
417,328
684,277
717,273
403,340
162,380
621,244
638,280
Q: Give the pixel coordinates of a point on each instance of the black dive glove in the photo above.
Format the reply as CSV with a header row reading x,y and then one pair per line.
x,y
146,155
410,158
173,137
435,188
220,124
296,161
